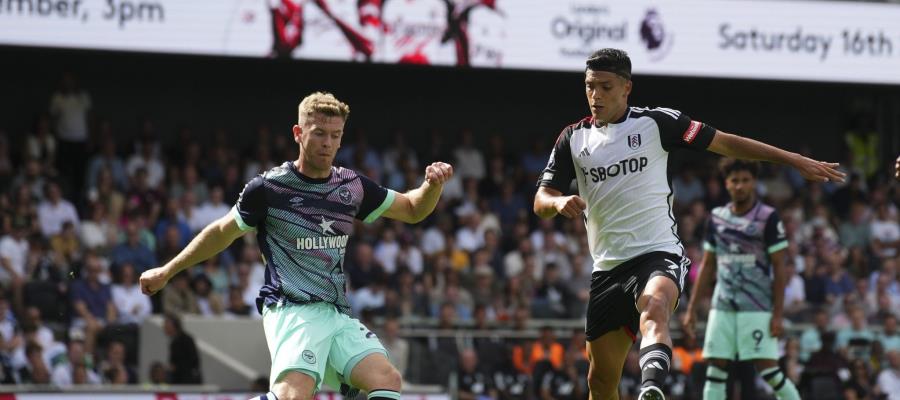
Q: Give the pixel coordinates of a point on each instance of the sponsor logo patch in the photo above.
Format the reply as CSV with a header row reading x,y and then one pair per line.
x,y
691,133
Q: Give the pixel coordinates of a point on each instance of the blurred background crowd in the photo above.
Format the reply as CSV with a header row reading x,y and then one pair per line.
x,y
84,210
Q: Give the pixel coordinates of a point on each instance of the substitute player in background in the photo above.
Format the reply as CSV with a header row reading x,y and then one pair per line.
x,y
618,158
302,213
744,256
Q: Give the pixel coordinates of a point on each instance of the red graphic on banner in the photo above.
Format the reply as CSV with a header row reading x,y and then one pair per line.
x,y
288,23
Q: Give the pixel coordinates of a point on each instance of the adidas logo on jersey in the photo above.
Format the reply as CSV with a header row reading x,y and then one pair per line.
x,y
624,167
584,153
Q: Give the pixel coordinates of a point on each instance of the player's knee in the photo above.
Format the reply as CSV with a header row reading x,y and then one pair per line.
x,y
287,393
655,314
392,379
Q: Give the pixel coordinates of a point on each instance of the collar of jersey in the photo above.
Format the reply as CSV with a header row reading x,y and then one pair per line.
x,y
308,179
621,119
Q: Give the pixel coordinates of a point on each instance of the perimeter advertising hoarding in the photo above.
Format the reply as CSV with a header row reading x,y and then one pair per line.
x,y
791,40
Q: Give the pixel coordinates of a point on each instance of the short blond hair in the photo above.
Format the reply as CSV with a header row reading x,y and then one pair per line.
x,y
322,102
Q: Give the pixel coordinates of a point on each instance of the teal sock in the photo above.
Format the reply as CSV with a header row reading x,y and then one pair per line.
x,y
382,394
784,388
714,389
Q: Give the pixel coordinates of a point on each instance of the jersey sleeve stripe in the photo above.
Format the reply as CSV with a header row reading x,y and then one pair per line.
x,y
707,246
240,221
778,246
388,200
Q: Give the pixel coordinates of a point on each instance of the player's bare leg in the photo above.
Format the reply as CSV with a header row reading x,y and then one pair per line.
x,y
775,377
607,354
716,377
377,376
292,385
656,305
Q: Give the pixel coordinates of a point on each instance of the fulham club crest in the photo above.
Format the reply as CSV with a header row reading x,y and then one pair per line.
x,y
634,141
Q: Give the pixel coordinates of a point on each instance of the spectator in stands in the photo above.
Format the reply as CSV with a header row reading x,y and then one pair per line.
x,y
91,301
209,302
686,354
855,231
178,298
97,232
473,382
552,298
371,297
158,373
172,218
888,382
132,305
885,232
811,339
141,198
790,362
78,367
36,370
396,346
409,255
469,159
859,386
40,144
387,250
106,194
66,244
526,356
69,107
113,368
108,159
856,340
212,209
14,254
890,336
132,251
568,382
823,371
363,269
55,211
146,158
237,305
184,359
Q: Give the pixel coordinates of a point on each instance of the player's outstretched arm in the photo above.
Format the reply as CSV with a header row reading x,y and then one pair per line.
x,y
413,206
548,202
702,289
735,146
211,240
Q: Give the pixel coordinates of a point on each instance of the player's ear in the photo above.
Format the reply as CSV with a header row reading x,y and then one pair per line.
x,y
297,133
627,87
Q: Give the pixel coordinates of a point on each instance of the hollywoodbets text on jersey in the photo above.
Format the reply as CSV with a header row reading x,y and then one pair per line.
x,y
624,167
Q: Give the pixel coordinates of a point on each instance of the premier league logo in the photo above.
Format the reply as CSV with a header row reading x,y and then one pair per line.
x,y
345,195
634,141
653,33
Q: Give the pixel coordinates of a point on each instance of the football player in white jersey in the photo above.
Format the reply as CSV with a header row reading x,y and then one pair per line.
x,y
618,158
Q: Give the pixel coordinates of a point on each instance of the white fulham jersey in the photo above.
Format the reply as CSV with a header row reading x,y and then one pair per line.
x,y
623,175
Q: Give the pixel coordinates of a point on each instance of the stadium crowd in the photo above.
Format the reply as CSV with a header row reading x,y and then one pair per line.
x,y
86,208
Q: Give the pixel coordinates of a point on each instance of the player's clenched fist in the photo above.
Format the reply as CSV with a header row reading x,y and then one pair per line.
x,y
570,206
438,173
153,280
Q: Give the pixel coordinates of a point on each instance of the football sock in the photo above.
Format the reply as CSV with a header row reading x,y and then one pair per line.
x,y
383,394
655,364
714,389
784,388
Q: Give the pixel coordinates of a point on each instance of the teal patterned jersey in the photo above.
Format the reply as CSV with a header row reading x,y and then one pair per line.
x,y
302,227
742,245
